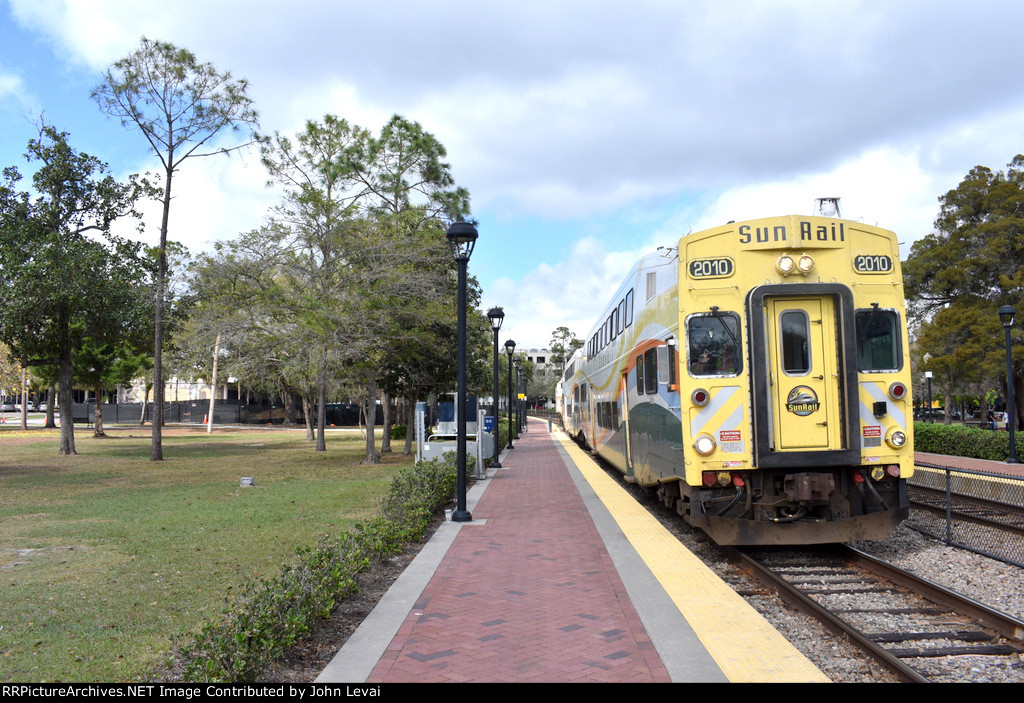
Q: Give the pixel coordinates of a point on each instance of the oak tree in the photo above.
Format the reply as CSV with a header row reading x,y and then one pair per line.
x,y
66,278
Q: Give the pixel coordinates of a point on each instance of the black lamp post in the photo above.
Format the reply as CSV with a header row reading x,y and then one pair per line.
x,y
1006,315
496,316
519,412
510,348
522,401
461,239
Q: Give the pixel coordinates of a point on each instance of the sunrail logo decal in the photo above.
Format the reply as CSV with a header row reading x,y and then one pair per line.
x,y
802,401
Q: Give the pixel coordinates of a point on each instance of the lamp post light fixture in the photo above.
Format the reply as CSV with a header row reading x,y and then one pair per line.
x,y
510,348
461,239
496,316
1006,315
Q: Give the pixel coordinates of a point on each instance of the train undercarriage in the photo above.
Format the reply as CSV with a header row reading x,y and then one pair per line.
x,y
777,506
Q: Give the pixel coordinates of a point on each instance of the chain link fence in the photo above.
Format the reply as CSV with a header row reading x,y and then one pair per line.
x,y
978,511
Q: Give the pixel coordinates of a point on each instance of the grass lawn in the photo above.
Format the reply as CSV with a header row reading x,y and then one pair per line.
x,y
106,555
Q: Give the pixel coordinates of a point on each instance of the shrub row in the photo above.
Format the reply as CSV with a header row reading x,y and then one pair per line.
x,y
271,614
956,440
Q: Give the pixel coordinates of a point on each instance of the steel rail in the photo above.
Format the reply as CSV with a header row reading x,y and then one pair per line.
x,y
796,598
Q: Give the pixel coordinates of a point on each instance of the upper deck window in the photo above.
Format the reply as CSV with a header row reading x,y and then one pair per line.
x,y
878,341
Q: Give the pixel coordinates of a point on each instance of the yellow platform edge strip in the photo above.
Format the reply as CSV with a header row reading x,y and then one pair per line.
x,y
745,645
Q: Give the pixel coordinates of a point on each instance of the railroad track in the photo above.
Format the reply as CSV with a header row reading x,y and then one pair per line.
x,y
917,630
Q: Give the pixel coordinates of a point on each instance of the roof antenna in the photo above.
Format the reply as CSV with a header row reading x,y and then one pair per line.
x,y
827,207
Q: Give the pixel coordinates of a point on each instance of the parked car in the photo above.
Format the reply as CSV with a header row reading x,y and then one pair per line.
x,y
31,407
7,406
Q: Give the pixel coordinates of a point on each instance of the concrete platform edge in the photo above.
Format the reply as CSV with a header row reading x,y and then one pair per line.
x,y
681,651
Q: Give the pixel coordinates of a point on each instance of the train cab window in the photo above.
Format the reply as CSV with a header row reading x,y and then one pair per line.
x,y
794,327
878,341
714,344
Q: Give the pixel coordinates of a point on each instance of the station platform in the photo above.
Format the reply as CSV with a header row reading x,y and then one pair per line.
x,y
960,462
561,577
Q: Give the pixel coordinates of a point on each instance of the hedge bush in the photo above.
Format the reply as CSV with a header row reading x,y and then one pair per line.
x,y
271,614
956,440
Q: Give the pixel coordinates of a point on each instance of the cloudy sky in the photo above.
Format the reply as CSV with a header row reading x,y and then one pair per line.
x,y
587,132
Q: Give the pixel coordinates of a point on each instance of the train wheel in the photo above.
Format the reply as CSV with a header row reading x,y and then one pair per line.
x,y
668,494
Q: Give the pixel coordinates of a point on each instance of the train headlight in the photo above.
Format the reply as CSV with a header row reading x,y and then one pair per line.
x,y
897,391
805,263
704,444
700,397
896,438
785,264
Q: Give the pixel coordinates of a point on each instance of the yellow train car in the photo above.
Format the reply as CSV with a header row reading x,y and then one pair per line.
x,y
758,376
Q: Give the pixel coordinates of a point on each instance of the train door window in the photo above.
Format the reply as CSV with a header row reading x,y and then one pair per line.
x,y
878,340
651,371
640,374
629,308
796,349
714,344
584,405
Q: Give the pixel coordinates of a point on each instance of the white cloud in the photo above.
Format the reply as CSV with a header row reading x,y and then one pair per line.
x,y
574,111
212,199
12,87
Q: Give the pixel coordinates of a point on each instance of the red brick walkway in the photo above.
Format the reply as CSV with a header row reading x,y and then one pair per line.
x,y
529,596
959,462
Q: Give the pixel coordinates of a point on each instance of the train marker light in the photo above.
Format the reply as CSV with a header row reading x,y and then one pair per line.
x,y
700,397
704,444
897,391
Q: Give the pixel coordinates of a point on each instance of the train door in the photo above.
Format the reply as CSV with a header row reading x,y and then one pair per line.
x,y
804,371
624,412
